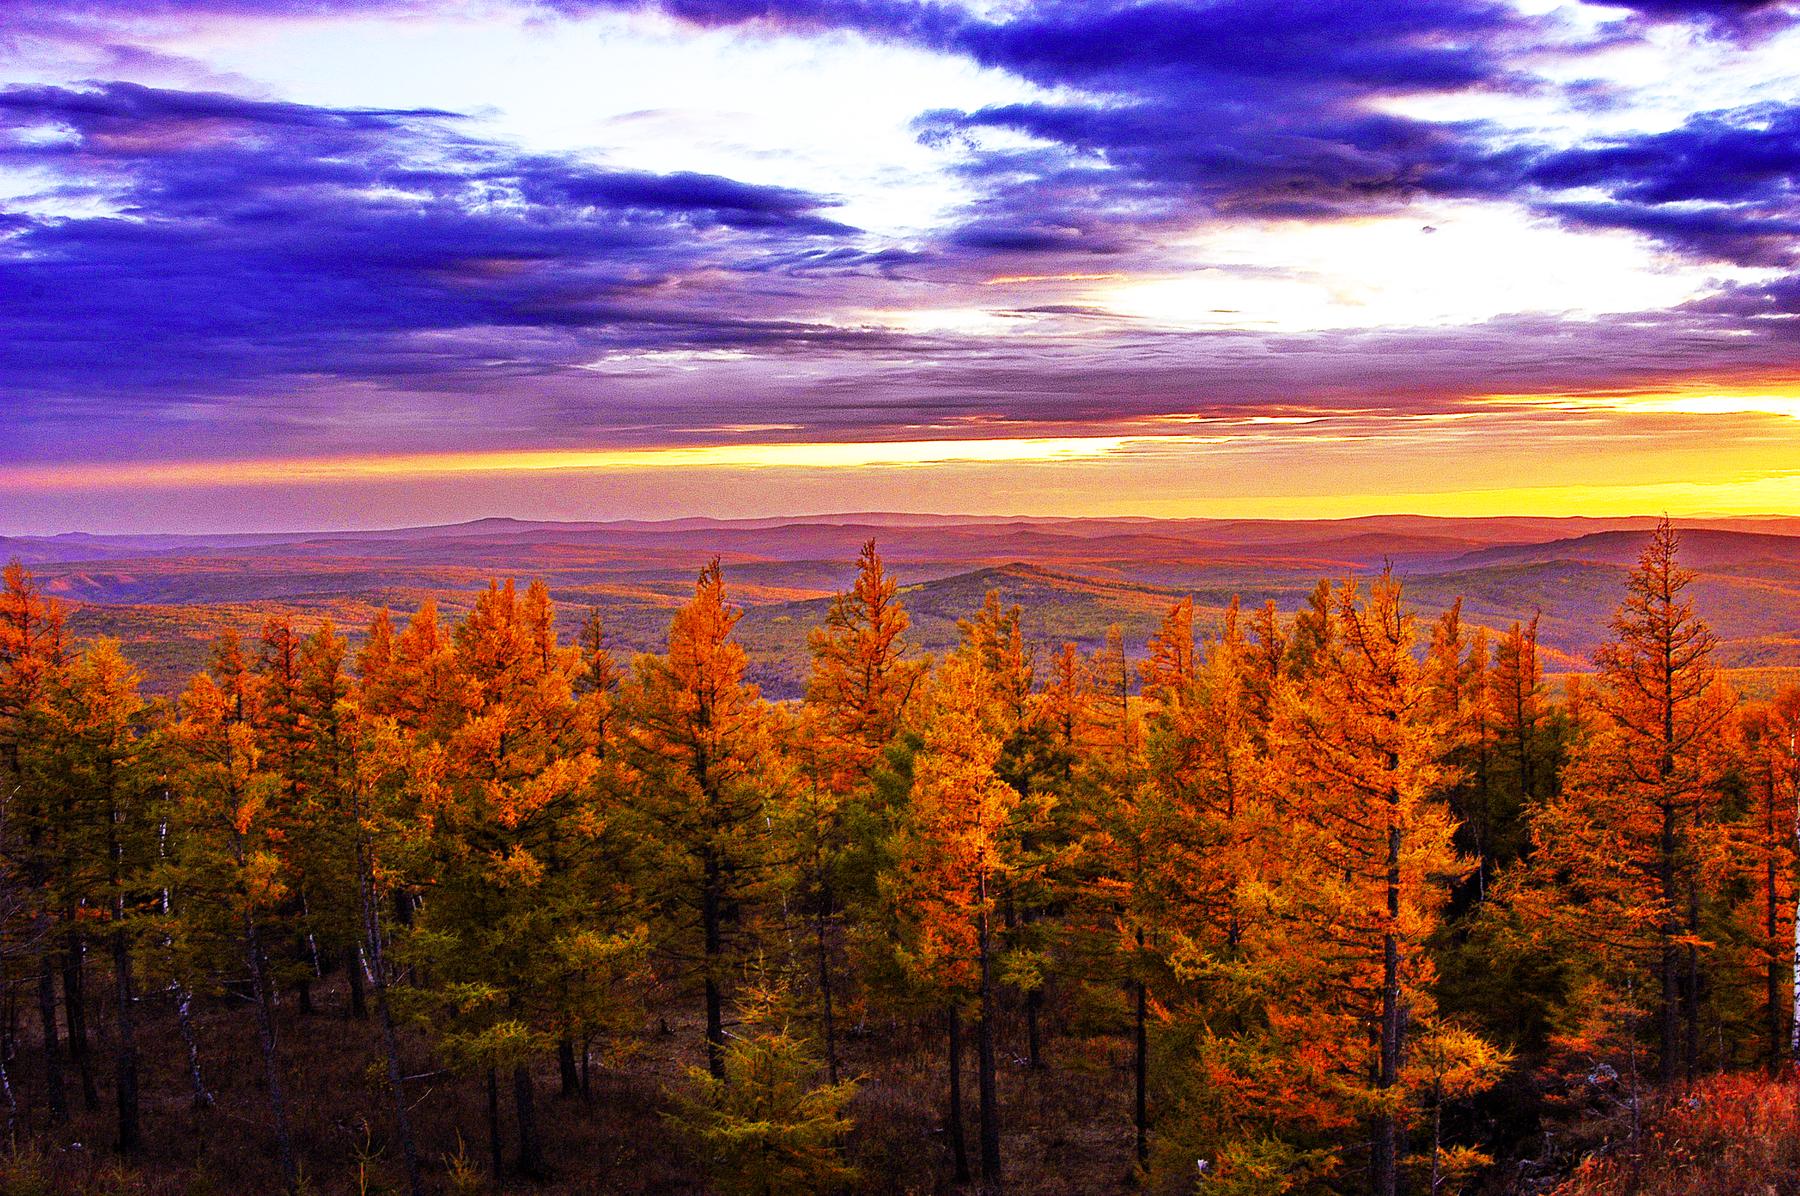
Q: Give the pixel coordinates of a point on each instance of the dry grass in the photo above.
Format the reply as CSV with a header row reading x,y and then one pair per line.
x,y
1732,1136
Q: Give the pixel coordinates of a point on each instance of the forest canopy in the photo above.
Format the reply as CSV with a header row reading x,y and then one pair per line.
x,y
1325,901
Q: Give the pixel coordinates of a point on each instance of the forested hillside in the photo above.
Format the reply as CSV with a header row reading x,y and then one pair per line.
x,y
1224,900
166,598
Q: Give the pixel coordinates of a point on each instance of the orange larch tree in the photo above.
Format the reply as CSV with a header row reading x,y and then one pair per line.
x,y
1619,853
1359,755
228,868
699,745
1761,851
517,777
857,695
953,857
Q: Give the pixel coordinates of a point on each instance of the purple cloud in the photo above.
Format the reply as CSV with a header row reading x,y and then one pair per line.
x,y
1720,186
244,239
188,245
1188,109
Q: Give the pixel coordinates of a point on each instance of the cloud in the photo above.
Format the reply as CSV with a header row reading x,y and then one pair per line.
x,y
195,270
1169,113
1191,112
1720,186
1173,110
195,241
1740,18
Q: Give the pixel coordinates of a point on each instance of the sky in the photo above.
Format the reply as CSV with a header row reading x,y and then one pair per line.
x,y
276,264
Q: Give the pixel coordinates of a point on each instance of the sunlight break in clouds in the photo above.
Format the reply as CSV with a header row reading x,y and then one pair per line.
x,y
733,457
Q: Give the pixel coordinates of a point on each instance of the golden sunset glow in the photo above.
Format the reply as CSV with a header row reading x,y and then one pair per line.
x,y
730,456
1781,399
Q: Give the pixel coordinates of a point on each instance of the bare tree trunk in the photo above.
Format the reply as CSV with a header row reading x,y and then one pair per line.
x,y
125,1081
184,998
54,1090
1690,1046
303,986
1437,1134
1034,1043
1669,1015
9,1025
565,1066
75,1012
1794,1021
130,1140
12,1105
711,918
265,1024
959,1147
495,1146
984,1054
390,1041
531,1155
1385,1170
1637,1107
1771,926
828,1017
1140,1067
359,1002
184,1019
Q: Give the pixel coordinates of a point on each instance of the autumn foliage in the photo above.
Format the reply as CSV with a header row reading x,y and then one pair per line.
x,y
1332,901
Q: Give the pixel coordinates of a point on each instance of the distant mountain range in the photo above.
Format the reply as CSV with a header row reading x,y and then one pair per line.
x,y
165,596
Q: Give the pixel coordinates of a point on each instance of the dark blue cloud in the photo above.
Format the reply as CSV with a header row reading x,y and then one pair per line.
x,y
1743,156
1736,18
237,241
1174,109
1169,112
1723,186
1184,112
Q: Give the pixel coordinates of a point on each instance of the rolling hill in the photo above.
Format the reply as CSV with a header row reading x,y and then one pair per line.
x,y
166,596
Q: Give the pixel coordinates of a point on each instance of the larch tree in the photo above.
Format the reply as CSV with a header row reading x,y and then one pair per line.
x,y
284,737
953,857
1107,737
1084,743
1525,742
862,675
1458,670
1034,761
108,778
857,694
33,656
698,739
376,795
322,839
768,1128
1359,753
227,865
603,960
516,779
1761,848
1618,854
1786,741
1225,945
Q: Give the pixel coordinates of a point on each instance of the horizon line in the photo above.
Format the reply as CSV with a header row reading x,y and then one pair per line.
x,y
799,518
